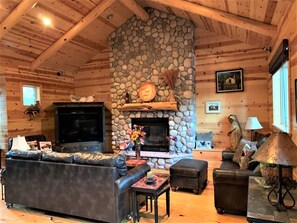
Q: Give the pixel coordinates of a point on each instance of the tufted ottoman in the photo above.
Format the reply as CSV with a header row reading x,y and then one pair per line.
x,y
190,174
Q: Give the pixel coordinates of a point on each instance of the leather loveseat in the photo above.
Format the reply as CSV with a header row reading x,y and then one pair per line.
x,y
231,186
231,182
89,185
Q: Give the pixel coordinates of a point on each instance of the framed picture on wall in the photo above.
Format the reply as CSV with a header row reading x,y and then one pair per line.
x,y
213,107
229,80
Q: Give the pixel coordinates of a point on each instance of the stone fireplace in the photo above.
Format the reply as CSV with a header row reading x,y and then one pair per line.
x,y
141,52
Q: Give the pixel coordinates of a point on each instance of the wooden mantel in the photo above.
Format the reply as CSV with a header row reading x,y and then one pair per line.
x,y
151,106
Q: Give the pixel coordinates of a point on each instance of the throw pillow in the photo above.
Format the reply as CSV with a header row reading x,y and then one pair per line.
x,y
33,145
239,150
203,144
248,153
204,140
260,138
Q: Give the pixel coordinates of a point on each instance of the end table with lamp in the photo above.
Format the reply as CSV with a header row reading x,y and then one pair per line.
x,y
259,209
252,124
279,149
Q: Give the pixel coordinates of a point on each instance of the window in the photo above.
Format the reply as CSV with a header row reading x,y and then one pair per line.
x,y
280,91
31,94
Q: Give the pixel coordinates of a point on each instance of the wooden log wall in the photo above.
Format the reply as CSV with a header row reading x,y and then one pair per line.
x,y
53,88
288,31
94,79
215,53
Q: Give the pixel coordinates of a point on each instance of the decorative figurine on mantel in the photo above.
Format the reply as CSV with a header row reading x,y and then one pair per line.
x,y
170,77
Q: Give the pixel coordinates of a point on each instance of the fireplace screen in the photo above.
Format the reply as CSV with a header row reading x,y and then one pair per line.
x,y
156,129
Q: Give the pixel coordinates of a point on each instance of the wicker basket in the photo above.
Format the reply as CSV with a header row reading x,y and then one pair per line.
x,y
270,173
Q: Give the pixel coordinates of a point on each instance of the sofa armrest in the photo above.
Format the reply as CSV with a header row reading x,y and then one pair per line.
x,y
232,176
227,155
122,184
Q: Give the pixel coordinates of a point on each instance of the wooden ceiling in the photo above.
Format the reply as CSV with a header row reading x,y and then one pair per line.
x,y
80,28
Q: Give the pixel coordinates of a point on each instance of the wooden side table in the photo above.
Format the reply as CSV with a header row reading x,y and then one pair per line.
x,y
131,163
153,191
261,211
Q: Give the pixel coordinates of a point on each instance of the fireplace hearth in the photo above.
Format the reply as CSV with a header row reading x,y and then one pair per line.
x,y
157,130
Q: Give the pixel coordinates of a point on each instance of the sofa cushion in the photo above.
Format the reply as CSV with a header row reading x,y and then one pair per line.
x,y
24,154
260,138
204,140
109,160
57,157
229,165
248,153
239,150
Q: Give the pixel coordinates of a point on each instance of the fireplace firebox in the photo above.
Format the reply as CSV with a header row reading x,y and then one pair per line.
x,y
157,130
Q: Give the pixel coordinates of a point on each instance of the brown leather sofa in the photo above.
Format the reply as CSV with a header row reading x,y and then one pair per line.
x,y
89,185
231,182
231,186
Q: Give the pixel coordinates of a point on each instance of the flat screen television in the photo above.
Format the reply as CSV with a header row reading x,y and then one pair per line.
x,y
79,122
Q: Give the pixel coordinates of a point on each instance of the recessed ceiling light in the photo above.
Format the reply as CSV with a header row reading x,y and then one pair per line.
x,y
47,21
109,16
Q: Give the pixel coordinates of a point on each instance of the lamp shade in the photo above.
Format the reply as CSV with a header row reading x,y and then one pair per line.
x,y
279,149
20,143
253,123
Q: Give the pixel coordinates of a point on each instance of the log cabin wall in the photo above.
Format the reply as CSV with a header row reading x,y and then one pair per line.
x,y
94,79
287,31
214,53
52,89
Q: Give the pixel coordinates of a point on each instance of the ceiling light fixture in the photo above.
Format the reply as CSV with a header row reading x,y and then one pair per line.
x,y
46,21
109,16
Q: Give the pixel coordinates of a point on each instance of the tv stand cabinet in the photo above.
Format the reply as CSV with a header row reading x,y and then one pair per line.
x,y
80,126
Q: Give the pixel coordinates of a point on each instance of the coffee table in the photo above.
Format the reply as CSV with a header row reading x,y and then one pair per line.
x,y
153,191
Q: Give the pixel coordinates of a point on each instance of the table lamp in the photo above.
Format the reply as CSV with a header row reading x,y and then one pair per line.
x,y
252,124
279,149
20,143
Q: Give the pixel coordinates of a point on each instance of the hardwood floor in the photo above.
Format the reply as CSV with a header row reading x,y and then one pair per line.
x,y
185,208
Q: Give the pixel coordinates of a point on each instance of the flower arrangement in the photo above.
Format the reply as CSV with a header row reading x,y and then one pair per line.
x,y
137,134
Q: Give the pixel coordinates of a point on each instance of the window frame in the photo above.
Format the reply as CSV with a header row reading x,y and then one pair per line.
x,y
277,107
39,90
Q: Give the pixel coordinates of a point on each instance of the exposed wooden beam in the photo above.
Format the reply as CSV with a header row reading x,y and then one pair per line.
x,y
221,16
15,16
99,9
134,7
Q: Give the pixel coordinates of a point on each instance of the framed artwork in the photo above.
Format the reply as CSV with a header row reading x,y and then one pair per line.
x,y
213,107
45,145
229,81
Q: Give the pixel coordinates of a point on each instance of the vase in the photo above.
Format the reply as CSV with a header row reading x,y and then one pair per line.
x,y
137,151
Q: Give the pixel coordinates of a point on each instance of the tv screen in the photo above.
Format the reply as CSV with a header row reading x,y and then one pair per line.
x,y
80,124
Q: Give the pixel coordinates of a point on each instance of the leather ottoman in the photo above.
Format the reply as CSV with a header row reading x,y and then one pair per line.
x,y
190,174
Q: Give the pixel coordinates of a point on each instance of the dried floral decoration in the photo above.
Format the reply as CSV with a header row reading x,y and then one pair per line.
x,y
170,77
